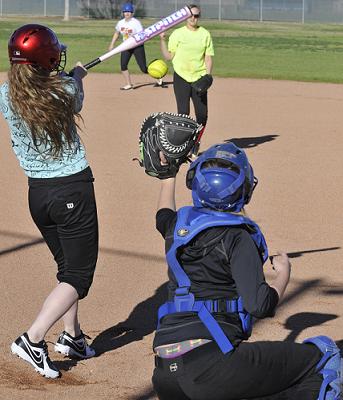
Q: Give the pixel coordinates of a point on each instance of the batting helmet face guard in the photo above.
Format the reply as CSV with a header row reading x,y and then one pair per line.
x,y
37,45
127,7
221,178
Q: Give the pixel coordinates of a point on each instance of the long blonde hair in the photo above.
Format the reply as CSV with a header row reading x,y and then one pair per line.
x,y
45,106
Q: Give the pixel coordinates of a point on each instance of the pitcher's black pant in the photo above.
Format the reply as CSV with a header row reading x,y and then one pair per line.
x,y
184,93
64,211
260,370
140,57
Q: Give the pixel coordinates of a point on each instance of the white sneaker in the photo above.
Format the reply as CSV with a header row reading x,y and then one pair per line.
x,y
74,347
159,83
126,87
36,354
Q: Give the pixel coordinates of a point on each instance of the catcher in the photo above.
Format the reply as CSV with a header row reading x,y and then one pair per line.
x,y
215,255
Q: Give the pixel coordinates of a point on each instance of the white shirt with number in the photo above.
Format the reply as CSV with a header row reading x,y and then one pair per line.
x,y
128,28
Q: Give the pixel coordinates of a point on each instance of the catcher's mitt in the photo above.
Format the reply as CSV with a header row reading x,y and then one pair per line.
x,y
172,134
203,84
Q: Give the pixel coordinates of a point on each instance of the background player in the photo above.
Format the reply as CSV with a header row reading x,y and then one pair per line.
x,y
40,103
191,50
127,27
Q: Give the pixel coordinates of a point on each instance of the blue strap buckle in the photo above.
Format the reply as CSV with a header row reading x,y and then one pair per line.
x,y
183,299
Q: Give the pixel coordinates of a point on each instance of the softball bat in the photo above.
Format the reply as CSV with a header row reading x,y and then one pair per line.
x,y
145,35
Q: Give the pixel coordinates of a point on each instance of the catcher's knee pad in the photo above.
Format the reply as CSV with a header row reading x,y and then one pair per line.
x,y
330,367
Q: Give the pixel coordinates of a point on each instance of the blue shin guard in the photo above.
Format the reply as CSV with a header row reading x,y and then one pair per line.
x,y
330,367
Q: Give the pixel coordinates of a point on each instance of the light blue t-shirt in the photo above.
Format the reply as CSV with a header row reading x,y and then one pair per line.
x,y
38,162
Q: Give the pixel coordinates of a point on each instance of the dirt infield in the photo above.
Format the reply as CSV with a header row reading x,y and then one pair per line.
x,y
293,136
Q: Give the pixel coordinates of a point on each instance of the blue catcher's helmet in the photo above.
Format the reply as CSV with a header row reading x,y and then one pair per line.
x,y
221,178
127,7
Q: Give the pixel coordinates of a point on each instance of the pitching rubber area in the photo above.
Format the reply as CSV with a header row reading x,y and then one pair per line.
x,y
292,133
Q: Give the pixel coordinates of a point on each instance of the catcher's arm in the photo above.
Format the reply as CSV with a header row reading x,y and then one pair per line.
x,y
166,197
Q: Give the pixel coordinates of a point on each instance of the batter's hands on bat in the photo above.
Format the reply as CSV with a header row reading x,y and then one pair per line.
x,y
80,70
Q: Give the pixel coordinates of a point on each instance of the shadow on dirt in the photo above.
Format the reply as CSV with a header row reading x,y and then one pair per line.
x,y
300,253
300,290
141,322
333,292
29,241
163,86
148,394
134,254
298,322
65,365
21,246
247,142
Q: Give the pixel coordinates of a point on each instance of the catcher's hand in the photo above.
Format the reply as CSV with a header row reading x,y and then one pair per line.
x,y
172,134
203,84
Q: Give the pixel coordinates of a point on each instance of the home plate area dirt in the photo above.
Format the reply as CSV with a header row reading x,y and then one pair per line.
x,y
292,133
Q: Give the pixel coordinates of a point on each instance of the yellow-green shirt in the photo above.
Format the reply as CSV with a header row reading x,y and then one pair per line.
x,y
190,48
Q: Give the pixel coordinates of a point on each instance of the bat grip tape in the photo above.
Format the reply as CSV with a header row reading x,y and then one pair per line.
x,y
92,64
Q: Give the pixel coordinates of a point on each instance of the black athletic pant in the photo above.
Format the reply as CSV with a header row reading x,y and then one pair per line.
x,y
183,93
139,54
260,370
64,211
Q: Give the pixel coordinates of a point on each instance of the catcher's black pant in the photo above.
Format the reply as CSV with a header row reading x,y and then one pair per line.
x,y
64,211
139,54
184,93
260,370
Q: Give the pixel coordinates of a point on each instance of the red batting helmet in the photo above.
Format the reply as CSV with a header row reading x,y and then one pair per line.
x,y
36,45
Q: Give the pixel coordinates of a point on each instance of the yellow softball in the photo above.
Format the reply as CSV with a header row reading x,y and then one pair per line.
x,y
157,69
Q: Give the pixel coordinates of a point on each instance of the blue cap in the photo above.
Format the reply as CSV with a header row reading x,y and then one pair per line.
x,y
127,7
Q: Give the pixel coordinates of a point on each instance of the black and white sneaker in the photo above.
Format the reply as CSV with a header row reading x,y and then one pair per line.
x,y
74,346
160,83
36,354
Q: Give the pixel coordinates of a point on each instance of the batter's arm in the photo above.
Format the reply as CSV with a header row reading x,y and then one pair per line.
x,y
78,73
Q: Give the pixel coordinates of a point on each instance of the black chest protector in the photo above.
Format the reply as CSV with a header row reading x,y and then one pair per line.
x,y
190,222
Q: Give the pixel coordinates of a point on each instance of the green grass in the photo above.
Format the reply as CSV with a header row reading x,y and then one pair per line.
x,y
290,51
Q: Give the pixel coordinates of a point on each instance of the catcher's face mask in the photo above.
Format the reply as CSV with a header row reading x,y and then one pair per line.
x,y
221,178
